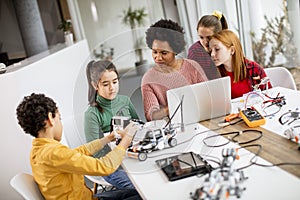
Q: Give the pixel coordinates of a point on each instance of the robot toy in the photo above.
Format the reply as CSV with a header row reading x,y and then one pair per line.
x,y
148,137
223,181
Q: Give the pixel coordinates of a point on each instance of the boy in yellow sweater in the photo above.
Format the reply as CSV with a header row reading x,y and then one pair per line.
x,y
58,170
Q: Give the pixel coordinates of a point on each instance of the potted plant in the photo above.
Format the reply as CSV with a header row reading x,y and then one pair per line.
x,y
277,36
135,18
66,26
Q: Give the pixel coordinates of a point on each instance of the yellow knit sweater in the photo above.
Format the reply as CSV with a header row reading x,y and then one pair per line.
x,y
59,171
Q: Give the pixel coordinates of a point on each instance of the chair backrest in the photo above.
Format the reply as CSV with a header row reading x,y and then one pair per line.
x,y
280,76
25,185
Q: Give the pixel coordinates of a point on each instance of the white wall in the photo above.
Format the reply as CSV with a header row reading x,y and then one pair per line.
x,y
109,29
54,75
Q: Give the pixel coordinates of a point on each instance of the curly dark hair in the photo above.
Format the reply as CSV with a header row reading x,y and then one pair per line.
x,y
169,31
33,111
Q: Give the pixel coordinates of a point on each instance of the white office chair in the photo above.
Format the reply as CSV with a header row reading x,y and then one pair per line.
x,y
74,135
25,185
99,184
280,76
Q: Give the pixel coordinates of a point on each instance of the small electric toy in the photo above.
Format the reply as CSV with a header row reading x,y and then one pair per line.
x,y
292,134
154,139
120,122
222,182
148,137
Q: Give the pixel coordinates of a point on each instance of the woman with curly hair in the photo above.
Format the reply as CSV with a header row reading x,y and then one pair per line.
x,y
166,39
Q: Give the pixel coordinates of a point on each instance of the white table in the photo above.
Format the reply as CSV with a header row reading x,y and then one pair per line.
x,y
263,183
292,103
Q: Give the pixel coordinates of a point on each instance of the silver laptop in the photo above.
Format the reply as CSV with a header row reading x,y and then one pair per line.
x,y
201,101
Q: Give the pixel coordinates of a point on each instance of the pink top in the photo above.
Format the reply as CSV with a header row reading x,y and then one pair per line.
x,y
155,84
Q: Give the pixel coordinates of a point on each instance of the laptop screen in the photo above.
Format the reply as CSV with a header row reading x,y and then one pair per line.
x,y
201,101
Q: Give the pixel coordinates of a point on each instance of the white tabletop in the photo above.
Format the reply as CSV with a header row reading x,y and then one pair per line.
x,y
262,182
272,124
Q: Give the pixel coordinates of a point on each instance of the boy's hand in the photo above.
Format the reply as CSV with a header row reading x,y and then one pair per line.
x,y
108,138
128,134
129,130
111,136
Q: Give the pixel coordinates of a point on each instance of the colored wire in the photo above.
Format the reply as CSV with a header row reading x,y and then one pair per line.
x,y
278,101
252,93
260,148
294,115
272,114
255,155
237,133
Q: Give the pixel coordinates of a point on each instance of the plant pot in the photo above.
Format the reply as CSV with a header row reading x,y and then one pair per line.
x,y
68,38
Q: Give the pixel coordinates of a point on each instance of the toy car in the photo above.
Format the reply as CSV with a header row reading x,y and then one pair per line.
x,y
154,139
120,122
147,139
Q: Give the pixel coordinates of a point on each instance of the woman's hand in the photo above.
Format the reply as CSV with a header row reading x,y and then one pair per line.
x,y
160,114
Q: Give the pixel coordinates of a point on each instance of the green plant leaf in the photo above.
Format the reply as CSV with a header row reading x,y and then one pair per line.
x,y
134,17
